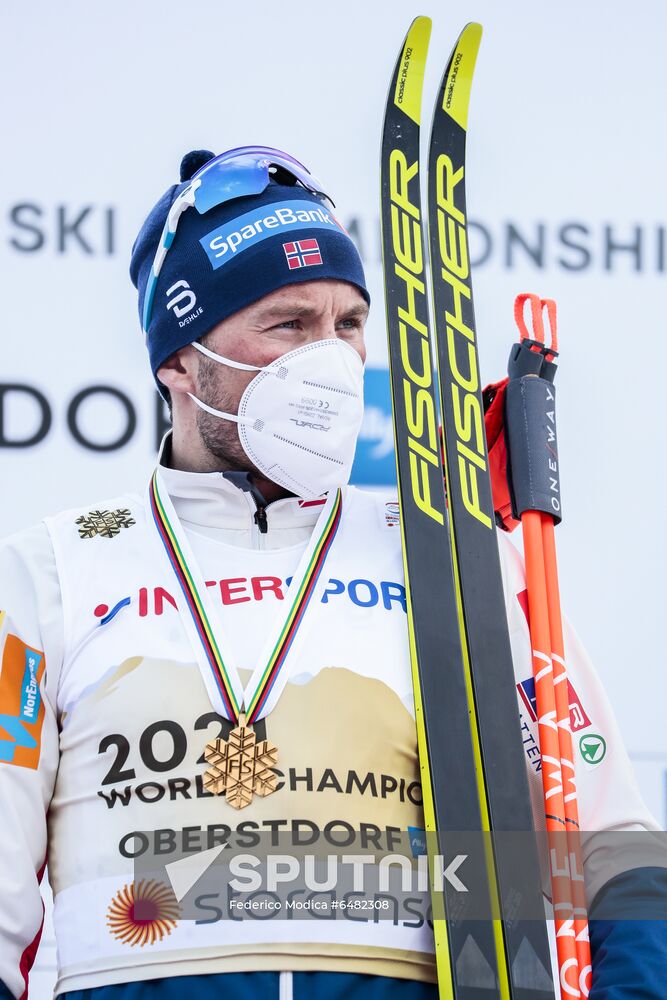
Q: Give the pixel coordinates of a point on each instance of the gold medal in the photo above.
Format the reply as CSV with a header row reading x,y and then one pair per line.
x,y
240,766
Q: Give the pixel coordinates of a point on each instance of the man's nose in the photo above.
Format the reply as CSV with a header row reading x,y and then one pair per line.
x,y
323,328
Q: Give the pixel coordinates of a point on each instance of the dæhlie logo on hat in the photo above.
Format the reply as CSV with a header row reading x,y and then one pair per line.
x,y
302,253
183,303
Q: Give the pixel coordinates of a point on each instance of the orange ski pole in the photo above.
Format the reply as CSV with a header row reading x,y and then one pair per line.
x,y
567,755
552,775
551,687
561,683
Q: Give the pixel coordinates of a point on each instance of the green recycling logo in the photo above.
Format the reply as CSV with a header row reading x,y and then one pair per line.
x,y
592,748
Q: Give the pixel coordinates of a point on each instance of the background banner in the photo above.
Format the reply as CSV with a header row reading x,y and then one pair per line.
x,y
566,167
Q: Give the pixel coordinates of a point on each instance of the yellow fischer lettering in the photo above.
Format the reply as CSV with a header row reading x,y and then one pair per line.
x,y
453,250
407,245
459,290
412,285
470,490
420,416
415,352
464,384
470,455
446,180
468,419
419,477
471,383
453,256
400,175
425,379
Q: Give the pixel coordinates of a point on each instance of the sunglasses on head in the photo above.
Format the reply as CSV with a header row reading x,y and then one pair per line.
x,y
237,173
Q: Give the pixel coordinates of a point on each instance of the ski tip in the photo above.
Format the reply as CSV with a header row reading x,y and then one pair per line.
x,y
458,83
411,67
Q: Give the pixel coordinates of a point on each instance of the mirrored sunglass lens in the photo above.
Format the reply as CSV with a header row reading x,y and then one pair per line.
x,y
227,177
269,151
230,180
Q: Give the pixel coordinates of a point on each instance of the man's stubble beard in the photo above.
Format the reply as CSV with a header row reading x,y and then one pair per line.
x,y
220,437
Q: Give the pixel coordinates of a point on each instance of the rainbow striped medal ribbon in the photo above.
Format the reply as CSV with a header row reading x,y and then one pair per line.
x,y
240,766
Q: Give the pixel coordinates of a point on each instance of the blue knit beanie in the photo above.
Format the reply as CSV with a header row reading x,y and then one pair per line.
x,y
233,255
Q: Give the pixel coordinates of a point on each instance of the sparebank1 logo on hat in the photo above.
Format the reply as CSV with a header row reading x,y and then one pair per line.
x,y
226,242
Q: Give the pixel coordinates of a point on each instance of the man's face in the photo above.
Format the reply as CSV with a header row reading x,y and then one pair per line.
x,y
276,324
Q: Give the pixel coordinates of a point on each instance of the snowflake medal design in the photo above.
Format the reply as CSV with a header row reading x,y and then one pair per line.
x,y
240,766
106,523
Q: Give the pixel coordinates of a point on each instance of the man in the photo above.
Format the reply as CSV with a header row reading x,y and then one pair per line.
x,y
249,597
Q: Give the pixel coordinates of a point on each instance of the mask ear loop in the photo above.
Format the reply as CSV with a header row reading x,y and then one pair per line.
x,y
225,361
278,372
257,424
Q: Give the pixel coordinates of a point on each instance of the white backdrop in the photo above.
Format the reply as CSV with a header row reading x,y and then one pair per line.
x,y
567,160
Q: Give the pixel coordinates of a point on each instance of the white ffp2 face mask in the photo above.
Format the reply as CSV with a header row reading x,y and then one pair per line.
x,y
300,416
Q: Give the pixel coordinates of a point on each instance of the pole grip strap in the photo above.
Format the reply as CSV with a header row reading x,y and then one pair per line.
x,y
532,442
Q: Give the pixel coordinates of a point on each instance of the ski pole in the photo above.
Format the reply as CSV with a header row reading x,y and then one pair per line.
x,y
537,502
552,775
560,681
567,756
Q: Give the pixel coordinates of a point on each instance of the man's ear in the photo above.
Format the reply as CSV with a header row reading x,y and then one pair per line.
x,y
178,372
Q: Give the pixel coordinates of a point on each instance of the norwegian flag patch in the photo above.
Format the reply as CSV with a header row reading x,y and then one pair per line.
x,y
302,253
